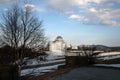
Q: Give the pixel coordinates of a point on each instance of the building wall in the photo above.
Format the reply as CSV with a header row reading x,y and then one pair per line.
x,y
57,45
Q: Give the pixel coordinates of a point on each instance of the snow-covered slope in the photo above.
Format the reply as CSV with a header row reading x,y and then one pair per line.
x,y
54,59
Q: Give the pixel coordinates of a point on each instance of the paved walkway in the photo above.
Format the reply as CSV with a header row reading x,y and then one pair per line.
x,y
89,73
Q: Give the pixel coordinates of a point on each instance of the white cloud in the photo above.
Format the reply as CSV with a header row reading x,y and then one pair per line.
x,y
74,16
8,1
4,1
92,10
31,8
100,12
110,22
67,4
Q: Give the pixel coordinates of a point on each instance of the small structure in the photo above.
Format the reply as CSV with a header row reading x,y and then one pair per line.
x,y
57,45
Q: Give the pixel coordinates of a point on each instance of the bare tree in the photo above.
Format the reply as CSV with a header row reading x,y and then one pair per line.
x,y
88,52
20,28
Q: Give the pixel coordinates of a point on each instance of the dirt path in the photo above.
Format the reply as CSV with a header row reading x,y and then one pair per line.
x,y
89,73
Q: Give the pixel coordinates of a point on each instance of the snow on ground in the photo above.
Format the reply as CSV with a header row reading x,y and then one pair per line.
x,y
109,57
59,53
53,61
108,65
52,57
39,70
32,63
109,53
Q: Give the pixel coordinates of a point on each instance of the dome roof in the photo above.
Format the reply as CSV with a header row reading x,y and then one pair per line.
x,y
59,37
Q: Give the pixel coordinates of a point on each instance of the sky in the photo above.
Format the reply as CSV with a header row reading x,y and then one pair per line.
x,y
77,21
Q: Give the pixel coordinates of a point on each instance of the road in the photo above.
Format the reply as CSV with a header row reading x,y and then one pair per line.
x,y
89,73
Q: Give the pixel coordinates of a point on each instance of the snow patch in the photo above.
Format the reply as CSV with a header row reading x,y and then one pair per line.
x,y
40,70
55,55
52,57
108,65
109,53
49,58
109,57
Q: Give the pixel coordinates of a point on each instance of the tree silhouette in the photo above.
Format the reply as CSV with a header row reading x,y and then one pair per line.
x,y
21,29
88,53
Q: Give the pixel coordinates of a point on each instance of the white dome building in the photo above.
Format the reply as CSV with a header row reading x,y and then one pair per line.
x,y
57,45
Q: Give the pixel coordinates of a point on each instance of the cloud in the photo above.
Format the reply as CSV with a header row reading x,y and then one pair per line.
x,y
4,1
63,5
7,1
95,12
92,10
68,4
32,8
29,7
75,16
102,16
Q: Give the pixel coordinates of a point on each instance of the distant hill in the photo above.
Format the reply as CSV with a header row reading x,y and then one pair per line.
x,y
115,48
106,48
102,47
